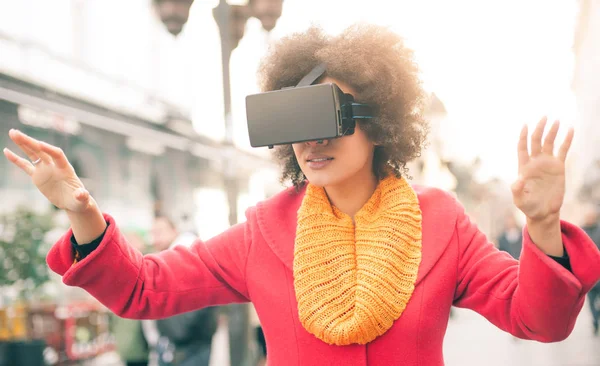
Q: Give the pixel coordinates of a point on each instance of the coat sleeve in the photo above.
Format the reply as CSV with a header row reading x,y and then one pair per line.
x,y
158,285
534,298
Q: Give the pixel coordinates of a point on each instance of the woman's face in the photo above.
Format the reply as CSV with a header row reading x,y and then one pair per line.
x,y
337,161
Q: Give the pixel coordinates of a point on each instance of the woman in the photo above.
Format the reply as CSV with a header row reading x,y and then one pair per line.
x,y
352,266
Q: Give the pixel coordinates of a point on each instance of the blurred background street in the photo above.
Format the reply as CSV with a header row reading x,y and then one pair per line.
x,y
147,100
473,341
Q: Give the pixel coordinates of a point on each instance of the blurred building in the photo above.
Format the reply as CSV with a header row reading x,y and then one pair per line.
x,y
586,80
133,167
138,112
430,168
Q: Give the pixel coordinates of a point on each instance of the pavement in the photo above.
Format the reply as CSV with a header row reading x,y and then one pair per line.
x,y
472,340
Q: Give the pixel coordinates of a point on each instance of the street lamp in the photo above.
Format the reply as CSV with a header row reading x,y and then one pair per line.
x,y
231,20
173,13
267,11
231,17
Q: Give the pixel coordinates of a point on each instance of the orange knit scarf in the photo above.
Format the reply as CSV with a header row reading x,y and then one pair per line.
x,y
353,281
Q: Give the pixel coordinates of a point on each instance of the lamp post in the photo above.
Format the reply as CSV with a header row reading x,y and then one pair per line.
x,y
231,19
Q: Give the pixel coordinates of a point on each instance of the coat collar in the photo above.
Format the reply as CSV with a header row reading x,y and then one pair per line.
x,y
277,219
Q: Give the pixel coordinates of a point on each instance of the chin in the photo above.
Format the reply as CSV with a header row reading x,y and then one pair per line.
x,y
324,179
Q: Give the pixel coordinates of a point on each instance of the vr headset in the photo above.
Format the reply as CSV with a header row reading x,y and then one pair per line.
x,y
306,112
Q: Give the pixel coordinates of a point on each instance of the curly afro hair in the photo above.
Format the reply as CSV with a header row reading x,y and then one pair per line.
x,y
377,64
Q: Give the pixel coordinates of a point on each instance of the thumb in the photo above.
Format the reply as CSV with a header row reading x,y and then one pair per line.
x,y
82,196
517,186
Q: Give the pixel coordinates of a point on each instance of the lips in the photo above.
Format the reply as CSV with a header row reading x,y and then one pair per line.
x,y
318,162
318,158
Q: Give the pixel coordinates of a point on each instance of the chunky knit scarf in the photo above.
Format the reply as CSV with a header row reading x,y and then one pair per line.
x,y
353,281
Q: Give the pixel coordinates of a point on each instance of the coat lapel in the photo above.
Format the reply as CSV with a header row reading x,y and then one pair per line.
x,y
438,210
277,219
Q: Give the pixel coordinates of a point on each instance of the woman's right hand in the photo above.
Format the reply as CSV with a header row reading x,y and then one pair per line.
x,y
50,171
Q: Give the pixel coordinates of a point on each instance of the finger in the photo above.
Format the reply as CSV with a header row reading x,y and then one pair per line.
x,y
82,195
23,144
29,145
56,153
536,137
522,152
566,145
548,147
24,164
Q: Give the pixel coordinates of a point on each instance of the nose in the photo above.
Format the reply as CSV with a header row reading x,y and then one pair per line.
x,y
317,142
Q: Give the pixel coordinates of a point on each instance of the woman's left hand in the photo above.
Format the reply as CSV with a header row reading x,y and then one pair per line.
x,y
540,189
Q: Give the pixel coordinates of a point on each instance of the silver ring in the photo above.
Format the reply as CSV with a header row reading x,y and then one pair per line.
x,y
36,162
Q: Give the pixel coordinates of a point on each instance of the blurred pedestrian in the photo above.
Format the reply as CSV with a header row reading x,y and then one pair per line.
x,y
511,238
259,337
185,339
591,225
130,342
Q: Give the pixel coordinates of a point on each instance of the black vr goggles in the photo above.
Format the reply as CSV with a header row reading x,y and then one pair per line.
x,y
306,112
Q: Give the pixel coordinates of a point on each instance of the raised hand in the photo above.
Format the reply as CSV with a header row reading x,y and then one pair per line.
x,y
50,171
540,189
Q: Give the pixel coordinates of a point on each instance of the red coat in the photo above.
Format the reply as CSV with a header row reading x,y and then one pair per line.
x,y
252,261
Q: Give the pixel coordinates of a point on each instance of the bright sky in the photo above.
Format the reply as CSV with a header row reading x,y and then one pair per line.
x,y
495,65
